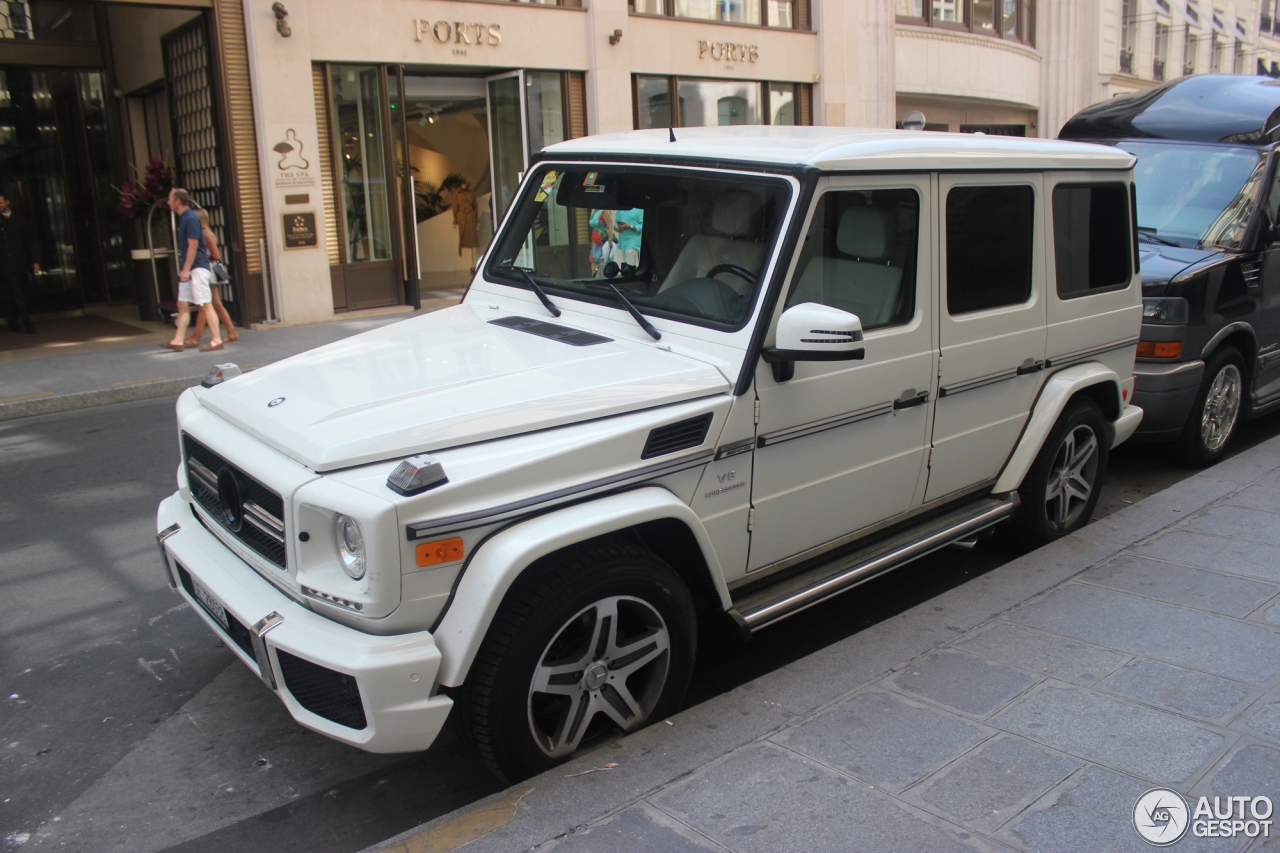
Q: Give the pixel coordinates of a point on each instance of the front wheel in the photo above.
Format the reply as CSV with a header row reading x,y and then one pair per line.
x,y
601,639
1062,488
1216,412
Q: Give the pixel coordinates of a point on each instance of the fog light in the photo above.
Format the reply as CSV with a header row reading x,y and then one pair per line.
x,y
350,545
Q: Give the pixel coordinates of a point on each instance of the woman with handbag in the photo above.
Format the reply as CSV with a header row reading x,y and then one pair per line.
x,y
219,277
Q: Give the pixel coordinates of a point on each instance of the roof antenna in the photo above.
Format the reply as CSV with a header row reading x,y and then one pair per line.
x,y
672,131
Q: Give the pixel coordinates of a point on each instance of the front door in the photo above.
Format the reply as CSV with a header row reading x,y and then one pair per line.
x,y
991,325
508,146
841,446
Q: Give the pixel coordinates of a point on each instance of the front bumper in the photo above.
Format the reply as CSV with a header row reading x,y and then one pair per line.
x,y
336,672
1165,393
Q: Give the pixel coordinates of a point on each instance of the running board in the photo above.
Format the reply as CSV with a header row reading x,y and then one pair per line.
x,y
799,592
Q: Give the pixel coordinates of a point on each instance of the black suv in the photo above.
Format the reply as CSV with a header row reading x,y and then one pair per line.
x,y
1208,199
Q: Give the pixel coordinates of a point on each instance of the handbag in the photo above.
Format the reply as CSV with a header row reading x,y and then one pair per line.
x,y
219,271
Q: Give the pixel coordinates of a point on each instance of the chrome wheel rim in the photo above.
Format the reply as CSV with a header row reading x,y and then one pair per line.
x,y
1221,408
611,658
1072,477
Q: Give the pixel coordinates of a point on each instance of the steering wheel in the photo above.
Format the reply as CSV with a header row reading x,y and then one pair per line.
x,y
734,269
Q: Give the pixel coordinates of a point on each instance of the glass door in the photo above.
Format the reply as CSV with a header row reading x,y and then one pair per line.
x,y
508,144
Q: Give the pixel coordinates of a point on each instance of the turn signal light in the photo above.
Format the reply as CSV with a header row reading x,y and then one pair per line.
x,y
1159,349
440,551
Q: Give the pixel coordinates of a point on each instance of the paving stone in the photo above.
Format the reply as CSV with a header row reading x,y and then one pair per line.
x,y
1266,721
1177,584
987,787
1177,689
1142,741
1272,616
637,830
963,682
763,799
1094,811
1258,496
1038,651
1252,525
1214,552
882,739
1253,771
1203,641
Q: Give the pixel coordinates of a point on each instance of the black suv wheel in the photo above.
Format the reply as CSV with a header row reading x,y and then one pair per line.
x,y
1216,412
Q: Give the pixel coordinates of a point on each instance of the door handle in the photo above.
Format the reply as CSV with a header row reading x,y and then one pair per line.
x,y
1030,366
905,402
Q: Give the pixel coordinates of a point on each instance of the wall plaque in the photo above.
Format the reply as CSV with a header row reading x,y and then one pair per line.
x,y
300,230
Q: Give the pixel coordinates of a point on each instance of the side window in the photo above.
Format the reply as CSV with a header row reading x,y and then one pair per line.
x,y
1090,237
860,255
989,238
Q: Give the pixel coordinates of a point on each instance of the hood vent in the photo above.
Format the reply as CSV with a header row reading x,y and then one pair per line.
x,y
677,436
563,334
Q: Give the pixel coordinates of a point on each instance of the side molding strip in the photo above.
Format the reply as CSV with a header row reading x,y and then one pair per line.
x,y
779,436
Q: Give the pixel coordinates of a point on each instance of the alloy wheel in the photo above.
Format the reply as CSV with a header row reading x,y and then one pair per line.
x,y
610,659
1072,477
1221,408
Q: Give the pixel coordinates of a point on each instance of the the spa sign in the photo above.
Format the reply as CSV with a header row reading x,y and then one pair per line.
x,y
457,35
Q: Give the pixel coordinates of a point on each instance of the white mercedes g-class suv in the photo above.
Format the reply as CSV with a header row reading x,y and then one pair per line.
x,y
711,373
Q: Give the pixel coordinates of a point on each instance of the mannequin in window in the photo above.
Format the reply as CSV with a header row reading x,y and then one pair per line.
x,y
464,219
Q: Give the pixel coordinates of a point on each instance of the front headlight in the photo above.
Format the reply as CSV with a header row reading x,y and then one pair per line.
x,y
349,542
1165,310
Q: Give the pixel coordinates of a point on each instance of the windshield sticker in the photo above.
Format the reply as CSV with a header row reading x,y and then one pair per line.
x,y
589,183
544,189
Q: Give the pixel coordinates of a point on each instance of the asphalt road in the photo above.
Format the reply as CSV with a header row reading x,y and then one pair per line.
x,y
125,725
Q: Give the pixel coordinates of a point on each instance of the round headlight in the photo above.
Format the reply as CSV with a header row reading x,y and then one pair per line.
x,y
350,544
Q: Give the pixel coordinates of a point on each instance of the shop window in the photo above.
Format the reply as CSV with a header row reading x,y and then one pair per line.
x,y
989,245
860,256
1007,19
544,91
1091,238
711,103
781,14
47,20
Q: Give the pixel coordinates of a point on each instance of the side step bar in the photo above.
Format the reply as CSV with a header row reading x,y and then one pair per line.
x,y
799,592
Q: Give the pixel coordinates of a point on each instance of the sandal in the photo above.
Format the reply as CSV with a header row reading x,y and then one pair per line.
x,y
174,347
191,342
230,336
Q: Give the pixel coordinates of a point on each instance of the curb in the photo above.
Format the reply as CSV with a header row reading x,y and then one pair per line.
x,y
564,801
89,399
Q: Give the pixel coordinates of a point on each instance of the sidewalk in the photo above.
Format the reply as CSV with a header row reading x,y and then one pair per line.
x,y
1028,709
78,376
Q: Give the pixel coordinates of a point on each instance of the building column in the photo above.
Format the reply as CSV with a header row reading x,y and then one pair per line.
x,y
856,55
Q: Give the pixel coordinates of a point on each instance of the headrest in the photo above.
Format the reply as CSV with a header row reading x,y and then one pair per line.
x,y
864,232
736,214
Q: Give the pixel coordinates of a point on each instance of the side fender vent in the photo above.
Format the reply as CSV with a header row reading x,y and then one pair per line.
x,y
677,436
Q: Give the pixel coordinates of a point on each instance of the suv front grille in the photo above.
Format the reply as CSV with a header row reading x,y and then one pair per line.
x,y
261,513
325,693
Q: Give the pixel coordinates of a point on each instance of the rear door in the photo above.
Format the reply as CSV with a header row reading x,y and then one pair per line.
x,y
991,322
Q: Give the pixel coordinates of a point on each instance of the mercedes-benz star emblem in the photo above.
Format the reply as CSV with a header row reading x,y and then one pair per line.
x,y
277,401
229,500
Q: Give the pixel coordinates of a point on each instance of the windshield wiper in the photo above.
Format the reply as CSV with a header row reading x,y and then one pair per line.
x,y
1150,234
537,291
631,309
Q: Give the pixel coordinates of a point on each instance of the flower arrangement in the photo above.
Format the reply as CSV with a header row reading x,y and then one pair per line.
x,y
151,190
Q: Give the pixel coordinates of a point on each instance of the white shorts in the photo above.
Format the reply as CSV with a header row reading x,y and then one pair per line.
x,y
196,290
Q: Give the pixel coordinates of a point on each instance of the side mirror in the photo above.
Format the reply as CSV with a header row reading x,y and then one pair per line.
x,y
813,332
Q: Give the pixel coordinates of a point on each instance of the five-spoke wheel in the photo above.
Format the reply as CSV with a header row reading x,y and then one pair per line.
x,y
597,639
1072,477
1060,491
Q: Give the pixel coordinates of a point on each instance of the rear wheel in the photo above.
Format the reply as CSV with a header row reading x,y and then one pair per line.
x,y
1062,488
601,640
1216,412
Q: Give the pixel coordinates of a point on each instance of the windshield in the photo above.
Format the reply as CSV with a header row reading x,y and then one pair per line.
x,y
1195,195
676,243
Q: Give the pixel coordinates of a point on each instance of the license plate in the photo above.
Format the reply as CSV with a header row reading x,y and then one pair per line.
x,y
211,604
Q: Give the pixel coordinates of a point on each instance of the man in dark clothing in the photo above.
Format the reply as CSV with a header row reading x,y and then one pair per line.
x,y
15,265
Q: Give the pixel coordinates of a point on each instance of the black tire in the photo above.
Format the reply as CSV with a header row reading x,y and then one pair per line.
x,y
1217,411
1041,518
560,602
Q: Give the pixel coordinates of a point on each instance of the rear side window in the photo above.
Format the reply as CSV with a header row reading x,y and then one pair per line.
x,y
1091,237
989,240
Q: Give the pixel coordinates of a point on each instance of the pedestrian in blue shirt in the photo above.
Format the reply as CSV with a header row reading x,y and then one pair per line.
x,y
194,276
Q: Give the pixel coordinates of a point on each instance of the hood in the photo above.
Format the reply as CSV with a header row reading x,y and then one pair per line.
x,y
1159,264
441,380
